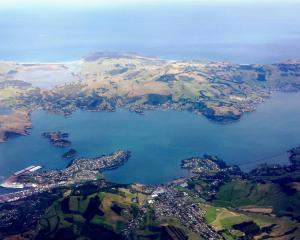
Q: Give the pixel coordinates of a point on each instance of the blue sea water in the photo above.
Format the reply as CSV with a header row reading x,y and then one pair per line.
x,y
244,33
5,111
159,140
250,33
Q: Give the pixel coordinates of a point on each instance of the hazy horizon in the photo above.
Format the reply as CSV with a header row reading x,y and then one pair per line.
x,y
94,4
225,30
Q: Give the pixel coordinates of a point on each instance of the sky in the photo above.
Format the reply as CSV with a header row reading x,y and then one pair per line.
x,y
16,4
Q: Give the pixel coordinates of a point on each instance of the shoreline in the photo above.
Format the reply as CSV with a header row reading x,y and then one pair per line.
x,y
126,109
149,56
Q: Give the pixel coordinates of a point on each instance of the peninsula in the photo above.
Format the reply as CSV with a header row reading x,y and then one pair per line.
x,y
217,201
79,170
104,81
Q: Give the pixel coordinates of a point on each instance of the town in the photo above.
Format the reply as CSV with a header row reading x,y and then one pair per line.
x,y
80,170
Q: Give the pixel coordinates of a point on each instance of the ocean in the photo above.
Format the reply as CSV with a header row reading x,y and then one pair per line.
x,y
242,33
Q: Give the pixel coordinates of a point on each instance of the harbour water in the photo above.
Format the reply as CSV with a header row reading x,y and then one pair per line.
x,y
5,111
159,140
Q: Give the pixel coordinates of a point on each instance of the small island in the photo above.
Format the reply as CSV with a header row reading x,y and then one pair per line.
x,y
69,154
58,139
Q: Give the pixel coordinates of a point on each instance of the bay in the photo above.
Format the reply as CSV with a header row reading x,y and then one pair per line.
x,y
159,140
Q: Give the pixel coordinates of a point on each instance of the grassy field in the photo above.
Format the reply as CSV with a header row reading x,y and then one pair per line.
x,y
246,193
175,222
106,214
111,211
223,219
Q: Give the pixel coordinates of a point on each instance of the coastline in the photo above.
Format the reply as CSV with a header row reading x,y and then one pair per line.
x,y
195,117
